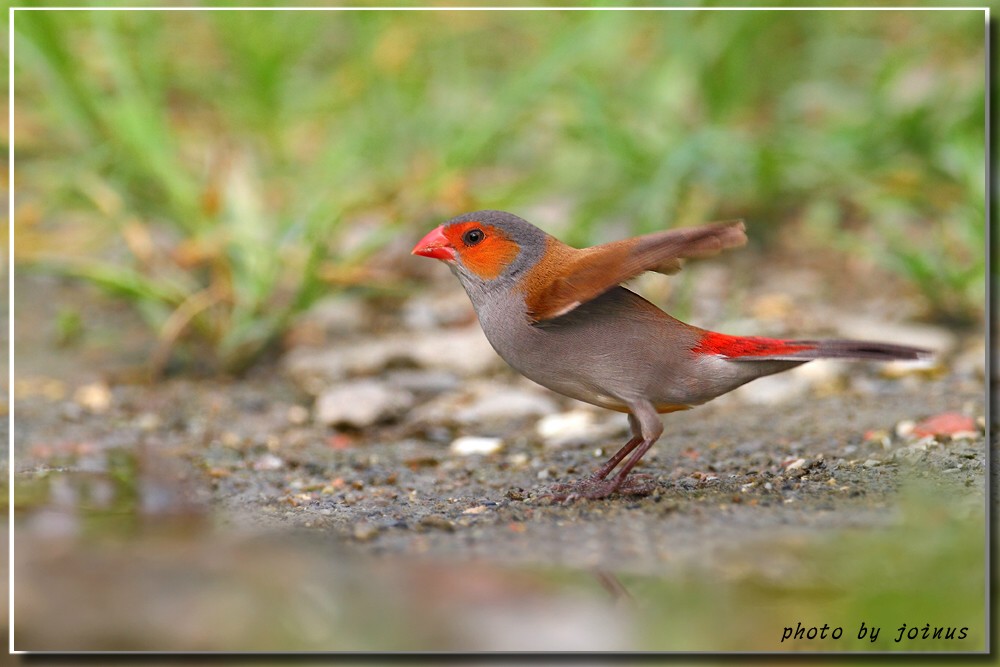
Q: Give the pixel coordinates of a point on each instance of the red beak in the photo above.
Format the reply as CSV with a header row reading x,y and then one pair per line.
x,y
435,245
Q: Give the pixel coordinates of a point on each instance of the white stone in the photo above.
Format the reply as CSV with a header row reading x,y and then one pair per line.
x,y
469,445
905,428
464,351
297,414
904,367
565,424
268,462
505,405
822,371
96,397
774,389
421,381
316,369
796,464
579,426
361,403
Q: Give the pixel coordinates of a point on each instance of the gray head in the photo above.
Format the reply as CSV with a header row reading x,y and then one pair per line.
x,y
487,250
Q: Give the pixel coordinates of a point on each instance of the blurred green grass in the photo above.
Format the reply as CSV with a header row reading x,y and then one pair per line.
x,y
222,170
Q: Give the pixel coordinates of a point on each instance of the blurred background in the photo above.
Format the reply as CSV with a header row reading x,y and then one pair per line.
x,y
219,171
202,195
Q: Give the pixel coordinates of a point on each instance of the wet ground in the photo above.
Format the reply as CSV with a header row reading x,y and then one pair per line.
x,y
272,512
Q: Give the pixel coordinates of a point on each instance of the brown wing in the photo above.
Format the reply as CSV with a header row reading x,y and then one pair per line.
x,y
593,271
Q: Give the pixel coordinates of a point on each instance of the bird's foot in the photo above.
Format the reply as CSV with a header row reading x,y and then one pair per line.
x,y
593,488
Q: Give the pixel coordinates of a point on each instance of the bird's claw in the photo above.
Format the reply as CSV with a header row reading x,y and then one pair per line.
x,y
592,488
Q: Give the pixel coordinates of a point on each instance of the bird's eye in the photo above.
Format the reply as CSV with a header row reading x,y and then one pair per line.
x,y
473,236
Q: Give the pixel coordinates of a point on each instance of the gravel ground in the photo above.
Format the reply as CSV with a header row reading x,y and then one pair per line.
x,y
433,487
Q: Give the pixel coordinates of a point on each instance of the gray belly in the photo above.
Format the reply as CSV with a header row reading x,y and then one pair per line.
x,y
609,352
613,351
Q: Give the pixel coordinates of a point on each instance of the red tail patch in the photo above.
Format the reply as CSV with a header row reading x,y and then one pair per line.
x,y
746,346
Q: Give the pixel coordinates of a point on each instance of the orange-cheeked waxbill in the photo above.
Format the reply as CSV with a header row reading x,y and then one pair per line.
x,y
561,318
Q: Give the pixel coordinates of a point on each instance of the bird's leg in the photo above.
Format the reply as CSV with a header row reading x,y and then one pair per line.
x,y
610,464
646,430
650,429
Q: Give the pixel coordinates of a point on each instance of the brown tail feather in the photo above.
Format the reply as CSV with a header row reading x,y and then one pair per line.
x,y
843,349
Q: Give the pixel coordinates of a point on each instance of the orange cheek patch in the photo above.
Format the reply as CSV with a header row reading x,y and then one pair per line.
x,y
489,257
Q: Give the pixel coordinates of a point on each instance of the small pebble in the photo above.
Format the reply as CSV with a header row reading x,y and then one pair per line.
x,y
505,405
268,462
364,531
423,381
690,483
880,437
437,522
796,464
148,421
774,389
954,424
519,459
96,397
515,494
298,415
470,445
573,427
361,403
928,368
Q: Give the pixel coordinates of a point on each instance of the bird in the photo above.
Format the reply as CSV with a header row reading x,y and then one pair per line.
x,y
560,316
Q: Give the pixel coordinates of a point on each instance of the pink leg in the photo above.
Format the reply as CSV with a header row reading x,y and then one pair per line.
x,y
610,464
646,430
